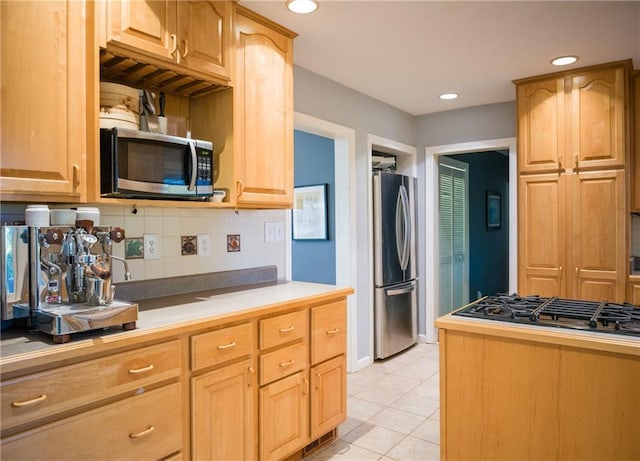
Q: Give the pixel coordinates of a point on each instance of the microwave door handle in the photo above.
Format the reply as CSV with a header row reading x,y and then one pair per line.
x,y
194,166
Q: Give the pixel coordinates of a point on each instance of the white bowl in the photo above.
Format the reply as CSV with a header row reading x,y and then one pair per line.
x,y
218,195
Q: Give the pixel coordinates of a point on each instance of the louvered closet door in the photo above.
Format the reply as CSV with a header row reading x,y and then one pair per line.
x,y
453,235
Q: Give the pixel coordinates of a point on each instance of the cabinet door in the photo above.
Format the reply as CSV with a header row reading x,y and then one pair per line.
x,y
599,236
634,294
541,235
43,102
223,413
598,118
263,109
205,36
328,396
284,417
541,125
147,26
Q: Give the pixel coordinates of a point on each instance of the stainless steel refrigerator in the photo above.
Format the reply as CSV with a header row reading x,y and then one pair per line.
x,y
395,277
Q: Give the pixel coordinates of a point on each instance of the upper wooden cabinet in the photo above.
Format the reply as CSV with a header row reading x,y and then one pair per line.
x,y
43,107
263,112
541,128
574,120
197,35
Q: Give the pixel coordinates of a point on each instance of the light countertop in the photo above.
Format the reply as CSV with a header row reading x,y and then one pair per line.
x,y
189,310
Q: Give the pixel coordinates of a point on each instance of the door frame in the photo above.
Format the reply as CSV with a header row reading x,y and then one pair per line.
x,y
432,275
345,223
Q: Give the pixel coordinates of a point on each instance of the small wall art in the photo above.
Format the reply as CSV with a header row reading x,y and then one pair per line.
x,y
189,245
233,243
310,212
133,248
494,211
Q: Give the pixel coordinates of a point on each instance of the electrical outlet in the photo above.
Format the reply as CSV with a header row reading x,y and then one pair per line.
x,y
269,232
151,246
204,245
279,231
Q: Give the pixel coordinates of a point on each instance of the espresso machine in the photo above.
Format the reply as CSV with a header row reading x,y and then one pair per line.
x,y
60,279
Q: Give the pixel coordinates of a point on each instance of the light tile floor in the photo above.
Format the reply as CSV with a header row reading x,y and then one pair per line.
x,y
393,411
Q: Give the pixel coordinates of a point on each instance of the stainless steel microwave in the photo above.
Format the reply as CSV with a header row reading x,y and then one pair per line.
x,y
139,164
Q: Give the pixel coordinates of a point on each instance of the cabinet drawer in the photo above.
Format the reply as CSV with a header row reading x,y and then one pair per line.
x,y
218,346
328,331
283,329
143,427
282,362
42,394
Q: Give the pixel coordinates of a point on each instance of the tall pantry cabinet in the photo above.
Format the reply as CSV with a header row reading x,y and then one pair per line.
x,y
573,139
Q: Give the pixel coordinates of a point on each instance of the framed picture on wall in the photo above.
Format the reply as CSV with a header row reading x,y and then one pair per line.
x,y
494,210
310,212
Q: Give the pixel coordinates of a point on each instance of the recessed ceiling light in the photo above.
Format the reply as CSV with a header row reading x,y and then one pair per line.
x,y
446,96
564,60
302,6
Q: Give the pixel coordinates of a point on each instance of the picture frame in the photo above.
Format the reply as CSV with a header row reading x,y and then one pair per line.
x,y
309,214
494,210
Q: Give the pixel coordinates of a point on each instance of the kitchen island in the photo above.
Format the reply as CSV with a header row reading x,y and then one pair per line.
x,y
526,392
204,376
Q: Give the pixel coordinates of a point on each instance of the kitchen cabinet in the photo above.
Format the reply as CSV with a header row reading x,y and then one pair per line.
x,y
512,391
263,112
43,135
328,395
573,143
96,393
196,35
634,293
223,400
223,413
573,120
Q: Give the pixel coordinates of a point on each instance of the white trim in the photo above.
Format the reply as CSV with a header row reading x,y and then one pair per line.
x,y
345,180
431,217
406,164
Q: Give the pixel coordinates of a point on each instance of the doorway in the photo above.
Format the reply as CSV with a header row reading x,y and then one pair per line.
x,y
432,263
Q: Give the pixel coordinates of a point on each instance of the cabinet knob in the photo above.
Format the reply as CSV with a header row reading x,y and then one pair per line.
x,y
174,44
185,48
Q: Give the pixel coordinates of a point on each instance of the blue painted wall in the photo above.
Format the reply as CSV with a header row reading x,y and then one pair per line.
x,y
488,250
315,260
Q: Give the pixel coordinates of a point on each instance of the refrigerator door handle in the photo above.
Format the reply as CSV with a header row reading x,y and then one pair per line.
x,y
400,234
403,290
403,228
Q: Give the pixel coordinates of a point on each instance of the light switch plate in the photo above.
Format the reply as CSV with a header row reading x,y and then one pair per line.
x,y
279,231
204,245
151,246
269,232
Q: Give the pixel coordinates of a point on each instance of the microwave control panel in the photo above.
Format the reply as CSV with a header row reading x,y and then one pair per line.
x,y
205,168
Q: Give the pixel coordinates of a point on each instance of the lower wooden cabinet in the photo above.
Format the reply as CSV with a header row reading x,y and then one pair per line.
x,y
223,416
147,426
328,396
634,293
284,416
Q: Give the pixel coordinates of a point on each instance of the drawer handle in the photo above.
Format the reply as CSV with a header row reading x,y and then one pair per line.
x,y
222,347
286,364
136,371
333,332
287,330
27,403
142,433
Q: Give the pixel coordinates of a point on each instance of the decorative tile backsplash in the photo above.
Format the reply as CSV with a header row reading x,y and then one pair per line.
x,y
207,243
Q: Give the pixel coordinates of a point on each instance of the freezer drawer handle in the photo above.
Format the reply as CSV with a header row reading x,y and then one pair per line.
x,y
399,291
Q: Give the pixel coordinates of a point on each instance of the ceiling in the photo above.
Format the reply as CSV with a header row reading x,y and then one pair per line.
x,y
406,53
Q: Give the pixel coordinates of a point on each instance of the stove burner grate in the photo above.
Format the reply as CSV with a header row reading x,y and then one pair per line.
x,y
567,313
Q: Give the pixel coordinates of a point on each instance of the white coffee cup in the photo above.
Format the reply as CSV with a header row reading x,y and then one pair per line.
x,y
36,216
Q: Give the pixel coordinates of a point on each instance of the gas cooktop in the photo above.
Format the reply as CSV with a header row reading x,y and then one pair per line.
x,y
557,312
